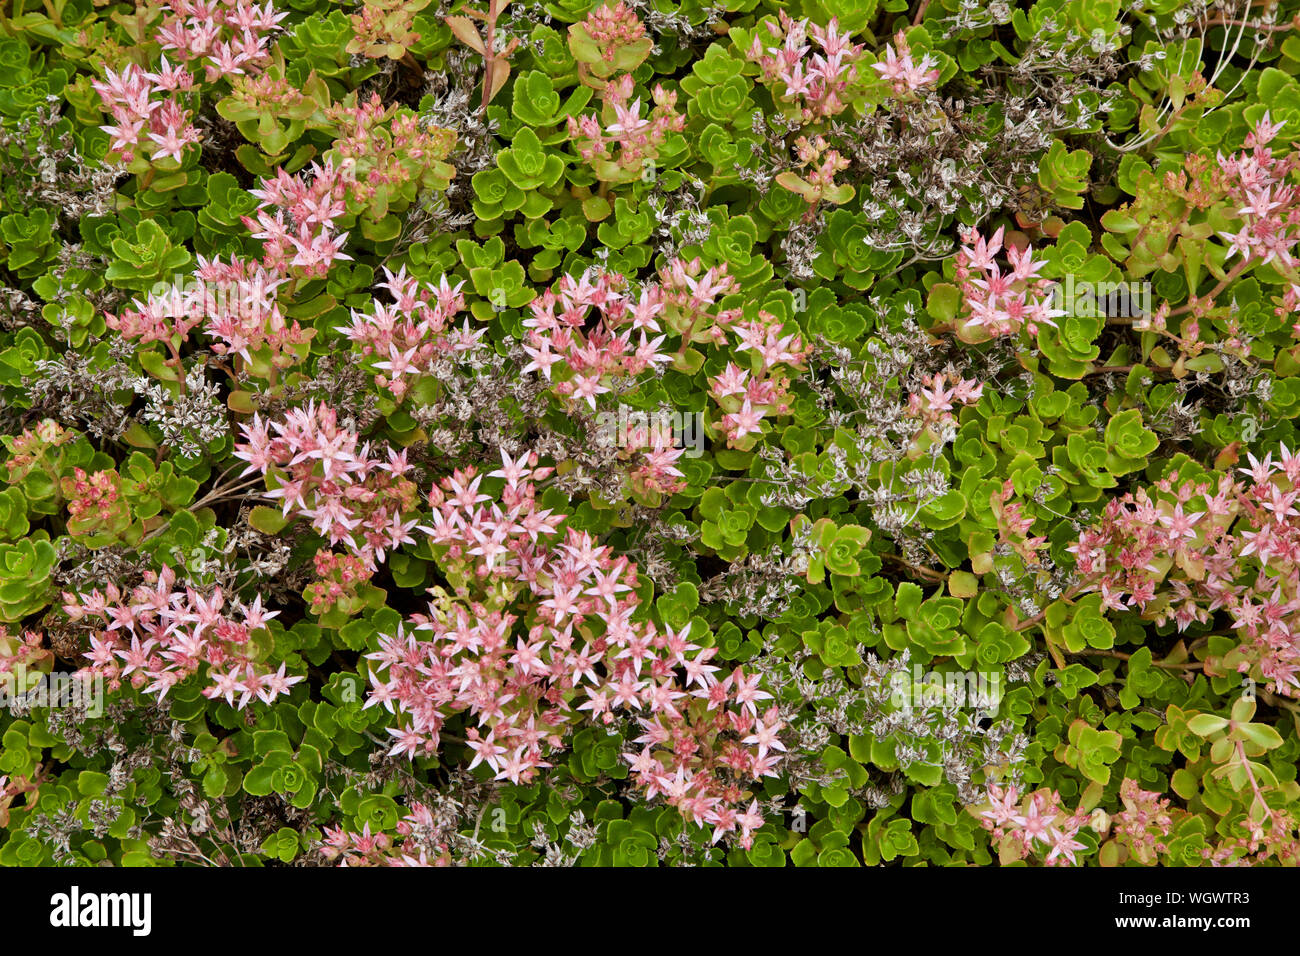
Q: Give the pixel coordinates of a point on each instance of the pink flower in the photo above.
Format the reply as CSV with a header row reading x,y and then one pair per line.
x,y
899,68
814,86
1033,824
743,422
587,387
1002,303
1063,846
1181,525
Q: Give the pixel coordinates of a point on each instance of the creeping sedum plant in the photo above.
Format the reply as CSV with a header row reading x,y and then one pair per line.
x,y
841,432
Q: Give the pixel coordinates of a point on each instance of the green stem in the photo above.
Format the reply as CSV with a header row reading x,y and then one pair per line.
x,y
176,364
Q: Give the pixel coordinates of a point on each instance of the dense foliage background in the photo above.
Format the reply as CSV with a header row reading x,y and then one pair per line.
x,y
831,433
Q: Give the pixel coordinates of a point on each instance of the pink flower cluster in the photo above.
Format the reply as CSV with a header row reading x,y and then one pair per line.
x,y
1269,205
746,396
574,647
935,401
384,146
820,164
164,316
701,754
35,448
227,37
338,576
1196,550
613,28
412,334
593,352
28,652
306,241
158,636
379,849
319,471
92,497
753,397
1143,822
1001,303
160,125
654,454
636,138
898,67
690,293
814,85
1035,824
238,299
1014,525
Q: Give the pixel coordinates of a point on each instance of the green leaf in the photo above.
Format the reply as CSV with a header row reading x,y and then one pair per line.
x,y
1204,725
269,521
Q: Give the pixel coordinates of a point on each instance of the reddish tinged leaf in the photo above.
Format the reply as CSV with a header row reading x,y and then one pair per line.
x,y
467,33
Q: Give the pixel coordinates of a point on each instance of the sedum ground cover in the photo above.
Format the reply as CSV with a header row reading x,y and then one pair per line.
x,y
843,432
